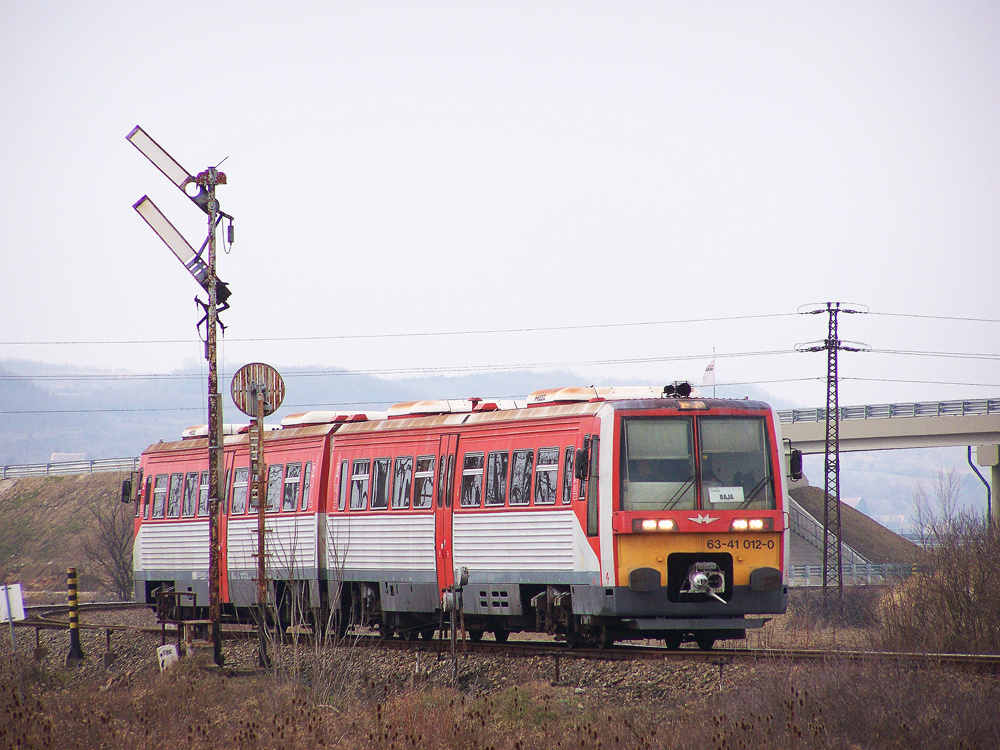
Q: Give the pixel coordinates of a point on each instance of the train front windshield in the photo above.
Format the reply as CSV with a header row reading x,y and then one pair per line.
x,y
712,463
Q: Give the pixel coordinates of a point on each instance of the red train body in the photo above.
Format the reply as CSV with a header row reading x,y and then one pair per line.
x,y
591,514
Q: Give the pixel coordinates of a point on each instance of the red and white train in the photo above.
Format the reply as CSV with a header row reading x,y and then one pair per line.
x,y
594,514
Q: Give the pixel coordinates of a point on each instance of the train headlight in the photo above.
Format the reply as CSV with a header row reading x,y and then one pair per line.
x,y
752,524
652,524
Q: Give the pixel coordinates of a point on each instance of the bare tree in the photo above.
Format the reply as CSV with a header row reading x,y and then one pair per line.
x,y
937,513
109,547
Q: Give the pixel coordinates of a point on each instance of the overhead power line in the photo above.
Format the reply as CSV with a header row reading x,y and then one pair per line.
x,y
936,317
413,334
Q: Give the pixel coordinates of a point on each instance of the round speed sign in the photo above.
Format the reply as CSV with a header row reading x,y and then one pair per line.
x,y
253,379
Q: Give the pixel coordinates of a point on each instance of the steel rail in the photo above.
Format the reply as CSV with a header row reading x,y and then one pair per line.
x,y
555,650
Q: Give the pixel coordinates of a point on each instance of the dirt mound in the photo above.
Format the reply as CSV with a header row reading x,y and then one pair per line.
x,y
867,537
43,522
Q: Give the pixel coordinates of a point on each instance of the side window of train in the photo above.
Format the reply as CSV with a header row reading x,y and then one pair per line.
x,y
496,477
240,487
520,477
203,495
380,483
274,472
567,488
546,476
593,482
306,483
423,480
401,481
147,498
359,485
144,500
441,467
160,495
472,480
190,494
449,487
345,477
174,498
225,491
293,477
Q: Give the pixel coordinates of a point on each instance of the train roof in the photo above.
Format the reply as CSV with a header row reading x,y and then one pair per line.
x,y
428,414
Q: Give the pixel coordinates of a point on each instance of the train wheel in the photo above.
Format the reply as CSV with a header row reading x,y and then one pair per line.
x,y
673,641
501,635
705,642
605,639
475,635
427,635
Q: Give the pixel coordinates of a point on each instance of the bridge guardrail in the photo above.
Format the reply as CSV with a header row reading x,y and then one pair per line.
x,y
870,574
62,468
974,407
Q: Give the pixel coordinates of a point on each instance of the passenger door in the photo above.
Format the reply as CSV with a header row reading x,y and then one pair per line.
x,y
443,507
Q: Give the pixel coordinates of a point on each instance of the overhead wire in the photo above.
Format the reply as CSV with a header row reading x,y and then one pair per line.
x,y
418,334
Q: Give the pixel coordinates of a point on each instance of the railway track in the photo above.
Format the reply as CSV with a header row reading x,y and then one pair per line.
x,y
45,618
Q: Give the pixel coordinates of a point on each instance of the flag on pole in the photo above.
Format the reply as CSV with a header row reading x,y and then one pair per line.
x,y
708,379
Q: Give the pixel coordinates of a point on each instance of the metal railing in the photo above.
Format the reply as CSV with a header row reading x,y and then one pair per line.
x,y
61,468
868,574
974,407
802,523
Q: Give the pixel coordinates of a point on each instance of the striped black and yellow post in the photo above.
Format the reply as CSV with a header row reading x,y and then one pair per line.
x,y
75,652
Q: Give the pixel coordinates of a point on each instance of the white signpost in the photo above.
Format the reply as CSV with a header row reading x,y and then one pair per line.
x,y
12,608
11,604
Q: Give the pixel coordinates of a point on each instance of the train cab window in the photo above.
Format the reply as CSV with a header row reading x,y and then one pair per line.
x,y
359,485
174,498
293,476
380,483
567,487
401,482
423,482
274,472
306,483
520,477
240,486
496,477
657,464
546,476
472,480
190,494
160,495
735,464
203,495
345,477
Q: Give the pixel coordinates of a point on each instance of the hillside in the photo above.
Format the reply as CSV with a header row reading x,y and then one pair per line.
x,y
43,522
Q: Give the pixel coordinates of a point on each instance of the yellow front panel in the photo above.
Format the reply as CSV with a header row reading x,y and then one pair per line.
x,y
650,550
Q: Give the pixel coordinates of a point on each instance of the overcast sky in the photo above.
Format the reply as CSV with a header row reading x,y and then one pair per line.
x,y
419,168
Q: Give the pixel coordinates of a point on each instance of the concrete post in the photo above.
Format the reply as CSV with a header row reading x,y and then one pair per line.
x,y
989,455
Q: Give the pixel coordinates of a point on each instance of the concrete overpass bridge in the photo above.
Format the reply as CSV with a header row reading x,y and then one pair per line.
x,y
927,424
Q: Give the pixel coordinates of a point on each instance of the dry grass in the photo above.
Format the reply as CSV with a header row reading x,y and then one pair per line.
x,y
782,706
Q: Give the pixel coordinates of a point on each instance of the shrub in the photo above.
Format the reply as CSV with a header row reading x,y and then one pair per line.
x,y
955,605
